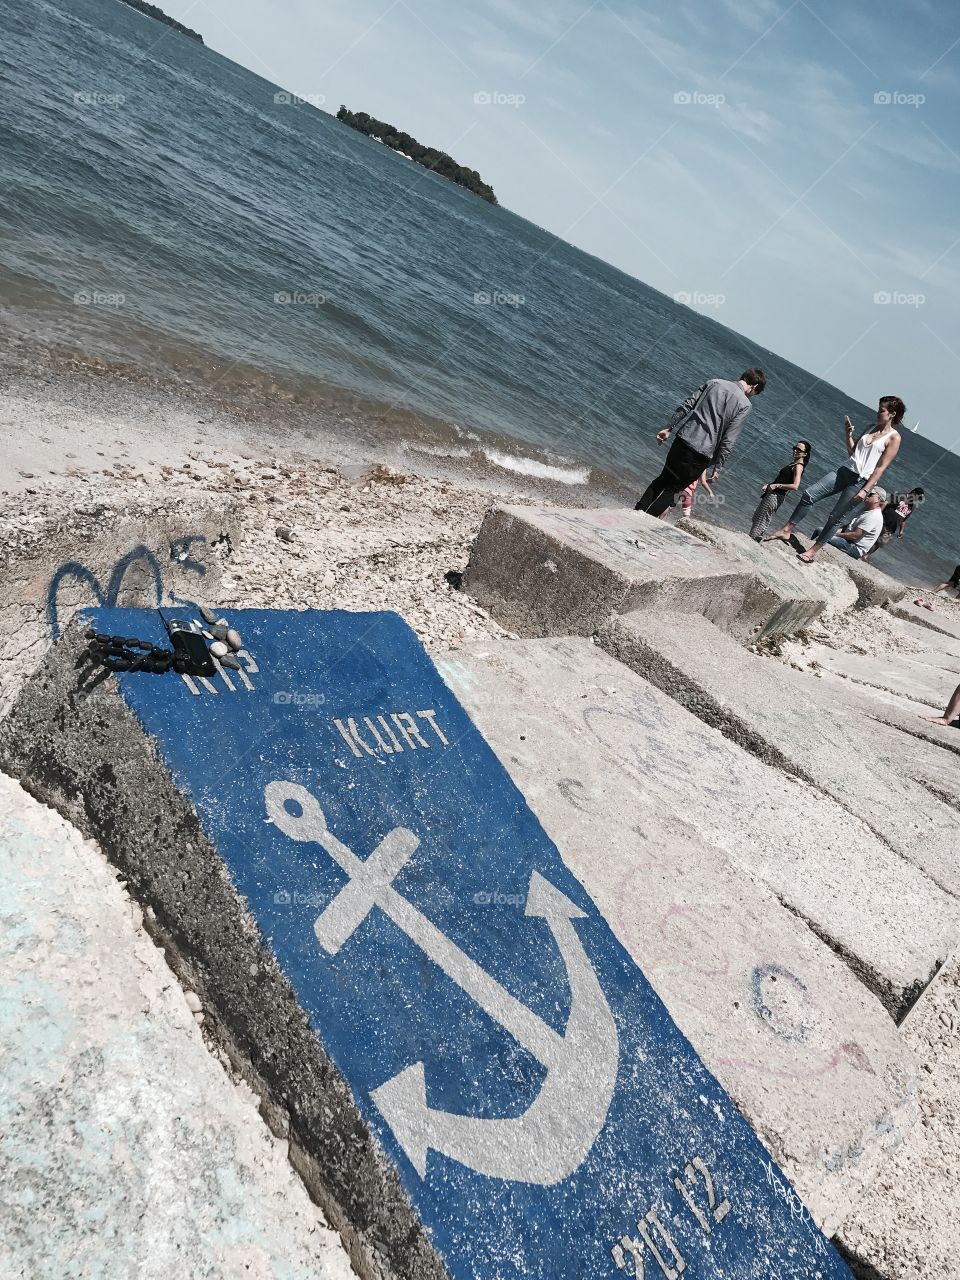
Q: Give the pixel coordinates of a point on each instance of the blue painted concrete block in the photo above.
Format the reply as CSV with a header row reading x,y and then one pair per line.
x,y
545,1116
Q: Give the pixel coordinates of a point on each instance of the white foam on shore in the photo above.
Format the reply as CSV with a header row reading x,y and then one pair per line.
x,y
463,433
539,470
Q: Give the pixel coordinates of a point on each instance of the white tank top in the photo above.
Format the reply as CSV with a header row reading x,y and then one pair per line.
x,y
867,453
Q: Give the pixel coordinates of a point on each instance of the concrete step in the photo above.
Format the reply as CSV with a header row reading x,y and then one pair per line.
x,y
841,580
807,1053
891,921
787,719
921,680
563,571
127,1149
937,619
899,713
934,641
905,1228
776,565
874,587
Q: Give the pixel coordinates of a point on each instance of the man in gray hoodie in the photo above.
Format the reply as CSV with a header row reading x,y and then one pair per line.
x,y
709,421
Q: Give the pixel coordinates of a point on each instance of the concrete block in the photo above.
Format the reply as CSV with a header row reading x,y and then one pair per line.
x,y
932,619
910,677
480,1086
934,641
804,591
806,1052
127,1150
838,580
784,718
942,656
886,916
129,547
905,1228
899,714
874,587
562,571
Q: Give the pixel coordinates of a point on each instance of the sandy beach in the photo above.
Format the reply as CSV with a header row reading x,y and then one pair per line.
x,y
335,514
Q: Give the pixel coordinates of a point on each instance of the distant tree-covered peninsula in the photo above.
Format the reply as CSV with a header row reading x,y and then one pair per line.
x,y
152,11
429,157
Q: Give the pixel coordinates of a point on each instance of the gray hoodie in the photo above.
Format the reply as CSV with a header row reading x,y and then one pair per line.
x,y
712,418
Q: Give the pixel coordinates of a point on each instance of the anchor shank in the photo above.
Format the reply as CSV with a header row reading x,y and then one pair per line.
x,y
532,1032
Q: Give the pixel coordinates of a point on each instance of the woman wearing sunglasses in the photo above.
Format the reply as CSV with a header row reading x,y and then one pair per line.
x,y
775,493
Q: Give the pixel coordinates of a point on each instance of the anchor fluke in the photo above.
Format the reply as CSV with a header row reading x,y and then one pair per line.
x,y
545,899
402,1102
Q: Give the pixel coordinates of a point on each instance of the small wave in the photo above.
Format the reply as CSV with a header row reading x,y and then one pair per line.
x,y
539,470
463,433
438,450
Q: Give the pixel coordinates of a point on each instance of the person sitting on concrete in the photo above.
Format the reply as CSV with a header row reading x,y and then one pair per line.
x,y
709,422
952,713
953,581
896,513
858,535
775,493
869,455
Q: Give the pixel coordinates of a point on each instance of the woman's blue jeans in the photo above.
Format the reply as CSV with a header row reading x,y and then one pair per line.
x,y
843,481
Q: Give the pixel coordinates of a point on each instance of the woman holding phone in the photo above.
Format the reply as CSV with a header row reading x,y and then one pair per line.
x,y
868,457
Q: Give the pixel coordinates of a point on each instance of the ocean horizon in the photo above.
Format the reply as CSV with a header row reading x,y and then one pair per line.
x,y
166,208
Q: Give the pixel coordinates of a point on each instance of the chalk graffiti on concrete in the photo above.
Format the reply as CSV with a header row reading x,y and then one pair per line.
x,y
141,557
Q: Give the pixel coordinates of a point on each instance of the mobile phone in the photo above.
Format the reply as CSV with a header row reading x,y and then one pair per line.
x,y
190,650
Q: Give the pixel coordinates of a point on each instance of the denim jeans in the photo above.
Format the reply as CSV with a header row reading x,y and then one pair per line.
x,y
843,481
843,544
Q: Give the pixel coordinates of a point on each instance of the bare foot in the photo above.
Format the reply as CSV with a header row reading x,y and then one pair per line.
x,y
937,720
782,535
807,557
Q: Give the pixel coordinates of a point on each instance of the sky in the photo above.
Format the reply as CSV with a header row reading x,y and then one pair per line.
x,y
789,167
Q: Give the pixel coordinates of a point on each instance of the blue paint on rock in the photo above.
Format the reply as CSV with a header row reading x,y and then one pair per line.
x,y
380,1005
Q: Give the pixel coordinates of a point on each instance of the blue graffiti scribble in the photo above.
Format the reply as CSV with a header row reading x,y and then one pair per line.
x,y
80,573
795,1034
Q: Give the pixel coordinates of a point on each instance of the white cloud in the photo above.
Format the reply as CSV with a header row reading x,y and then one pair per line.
x,y
757,15
511,61
750,121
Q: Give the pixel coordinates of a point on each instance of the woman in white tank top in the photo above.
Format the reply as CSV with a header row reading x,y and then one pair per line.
x,y
868,450
868,458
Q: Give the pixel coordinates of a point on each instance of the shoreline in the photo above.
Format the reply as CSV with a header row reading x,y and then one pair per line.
x,y
110,410
60,389
76,426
